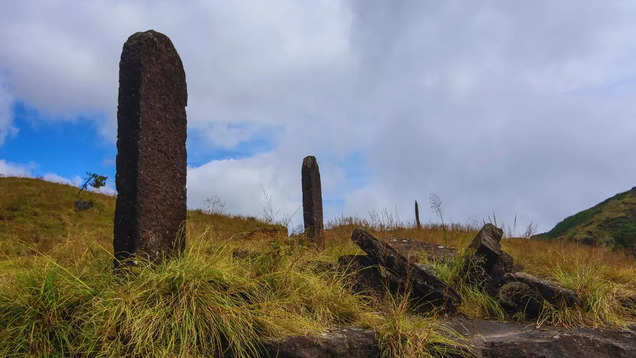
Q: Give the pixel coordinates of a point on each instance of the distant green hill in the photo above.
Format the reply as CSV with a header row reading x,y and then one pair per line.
x,y
610,223
38,215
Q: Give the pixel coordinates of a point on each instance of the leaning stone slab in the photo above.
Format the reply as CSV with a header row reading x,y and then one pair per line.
x,y
489,263
342,342
151,149
551,292
426,285
367,277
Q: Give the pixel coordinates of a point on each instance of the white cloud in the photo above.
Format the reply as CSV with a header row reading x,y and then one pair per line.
x,y
9,169
521,108
6,115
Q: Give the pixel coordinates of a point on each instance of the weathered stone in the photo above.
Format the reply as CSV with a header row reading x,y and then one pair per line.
x,y
551,292
489,264
367,277
425,285
342,342
312,200
519,297
415,250
520,340
151,152
81,205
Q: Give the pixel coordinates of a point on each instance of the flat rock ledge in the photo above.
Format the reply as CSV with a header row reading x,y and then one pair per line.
x,y
551,292
341,342
511,339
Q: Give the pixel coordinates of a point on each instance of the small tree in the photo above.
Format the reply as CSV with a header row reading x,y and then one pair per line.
x,y
93,180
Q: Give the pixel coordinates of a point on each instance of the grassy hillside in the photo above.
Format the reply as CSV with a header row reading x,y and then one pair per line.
x,y
60,297
37,215
610,223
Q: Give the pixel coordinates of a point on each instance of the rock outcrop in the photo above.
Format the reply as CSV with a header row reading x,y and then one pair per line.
x,y
490,339
519,297
342,342
551,292
489,264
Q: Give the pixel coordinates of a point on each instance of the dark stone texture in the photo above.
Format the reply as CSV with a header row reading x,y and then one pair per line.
x,y
551,292
415,250
425,285
489,264
417,215
367,277
312,200
151,152
519,297
510,339
342,342
81,205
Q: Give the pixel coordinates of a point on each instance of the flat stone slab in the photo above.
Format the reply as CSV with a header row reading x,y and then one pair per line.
x,y
551,292
346,342
414,249
426,285
511,339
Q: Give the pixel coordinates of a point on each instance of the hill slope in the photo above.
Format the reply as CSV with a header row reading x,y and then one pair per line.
x,y
39,215
610,223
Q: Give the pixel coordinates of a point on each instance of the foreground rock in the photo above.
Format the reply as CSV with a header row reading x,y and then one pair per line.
x,y
415,250
489,264
519,297
425,285
551,292
342,342
367,277
509,339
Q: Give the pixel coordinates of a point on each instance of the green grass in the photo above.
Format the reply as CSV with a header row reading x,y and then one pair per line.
x,y
611,223
60,297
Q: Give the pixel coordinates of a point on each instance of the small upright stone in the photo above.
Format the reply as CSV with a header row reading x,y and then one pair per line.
x,y
489,264
150,211
312,200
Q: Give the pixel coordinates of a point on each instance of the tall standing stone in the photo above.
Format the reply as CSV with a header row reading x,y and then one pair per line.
x,y
151,149
417,215
312,200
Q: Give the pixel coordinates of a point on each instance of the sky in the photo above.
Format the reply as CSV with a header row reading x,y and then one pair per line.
x,y
519,109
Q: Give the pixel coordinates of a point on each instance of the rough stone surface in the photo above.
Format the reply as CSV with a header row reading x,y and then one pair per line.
x,y
342,342
417,215
551,292
312,200
81,205
519,297
489,264
425,285
367,277
415,250
151,152
509,339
